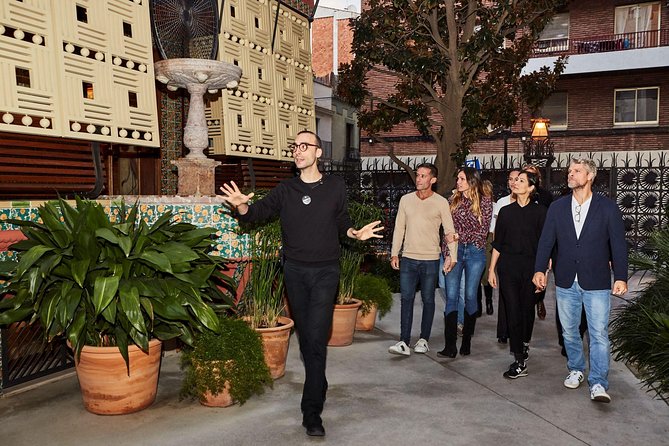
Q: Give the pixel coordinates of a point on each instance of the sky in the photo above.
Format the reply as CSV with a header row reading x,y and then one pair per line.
x,y
339,4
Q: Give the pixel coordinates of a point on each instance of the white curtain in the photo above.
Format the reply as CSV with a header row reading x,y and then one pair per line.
x,y
622,15
643,20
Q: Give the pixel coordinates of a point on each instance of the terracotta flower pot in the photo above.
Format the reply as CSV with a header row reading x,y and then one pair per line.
x,y
343,324
366,322
275,343
106,387
223,398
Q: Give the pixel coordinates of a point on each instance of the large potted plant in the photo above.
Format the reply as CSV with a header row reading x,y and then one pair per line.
x,y
376,298
361,211
114,291
226,367
640,328
262,303
346,307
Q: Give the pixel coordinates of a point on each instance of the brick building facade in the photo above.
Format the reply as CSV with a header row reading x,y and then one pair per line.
x,y
331,39
612,98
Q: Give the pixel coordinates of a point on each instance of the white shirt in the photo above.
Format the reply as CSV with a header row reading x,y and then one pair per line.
x,y
579,213
504,201
582,212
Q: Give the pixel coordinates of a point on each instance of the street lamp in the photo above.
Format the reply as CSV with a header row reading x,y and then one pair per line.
x,y
540,128
539,146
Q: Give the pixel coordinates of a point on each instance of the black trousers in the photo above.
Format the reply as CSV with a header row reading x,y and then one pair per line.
x,y
311,296
517,291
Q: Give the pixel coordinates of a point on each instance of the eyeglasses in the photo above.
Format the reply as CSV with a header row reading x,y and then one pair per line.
x,y
302,147
577,215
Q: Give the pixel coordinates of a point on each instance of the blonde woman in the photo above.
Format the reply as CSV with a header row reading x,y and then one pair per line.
x,y
472,212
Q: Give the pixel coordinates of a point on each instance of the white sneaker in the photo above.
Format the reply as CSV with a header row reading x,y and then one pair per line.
x,y
421,346
574,379
399,349
597,393
461,327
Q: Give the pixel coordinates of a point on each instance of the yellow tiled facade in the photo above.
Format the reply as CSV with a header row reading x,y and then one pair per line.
x,y
275,96
79,69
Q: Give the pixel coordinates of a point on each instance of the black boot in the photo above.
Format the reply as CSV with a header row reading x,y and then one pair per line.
x,y
479,301
450,335
467,332
487,289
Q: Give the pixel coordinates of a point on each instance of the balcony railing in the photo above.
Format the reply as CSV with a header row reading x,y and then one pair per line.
x,y
601,44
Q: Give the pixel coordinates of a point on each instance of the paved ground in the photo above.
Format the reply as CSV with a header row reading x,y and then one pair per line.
x,y
374,399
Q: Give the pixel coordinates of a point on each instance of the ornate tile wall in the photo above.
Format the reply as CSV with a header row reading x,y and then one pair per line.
x,y
227,244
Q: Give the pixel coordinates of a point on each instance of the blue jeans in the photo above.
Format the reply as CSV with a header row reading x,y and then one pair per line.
x,y
411,272
442,285
471,263
597,305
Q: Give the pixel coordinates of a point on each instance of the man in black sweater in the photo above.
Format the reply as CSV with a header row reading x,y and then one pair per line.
x,y
313,213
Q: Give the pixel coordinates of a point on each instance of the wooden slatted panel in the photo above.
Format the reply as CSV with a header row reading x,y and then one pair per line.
x,y
268,173
35,167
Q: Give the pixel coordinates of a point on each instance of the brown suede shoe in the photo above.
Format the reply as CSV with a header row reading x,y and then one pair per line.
x,y
541,310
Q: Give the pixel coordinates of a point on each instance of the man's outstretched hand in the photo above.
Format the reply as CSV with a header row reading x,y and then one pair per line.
x,y
234,198
368,231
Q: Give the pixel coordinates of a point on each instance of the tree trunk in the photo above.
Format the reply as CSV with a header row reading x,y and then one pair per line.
x,y
450,139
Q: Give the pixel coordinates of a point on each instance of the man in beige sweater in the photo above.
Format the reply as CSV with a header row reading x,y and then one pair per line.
x,y
416,234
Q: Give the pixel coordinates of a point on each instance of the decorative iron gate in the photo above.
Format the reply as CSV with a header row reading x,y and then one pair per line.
x,y
640,187
26,355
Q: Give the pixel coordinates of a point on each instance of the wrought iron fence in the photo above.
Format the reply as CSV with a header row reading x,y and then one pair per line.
x,y
638,184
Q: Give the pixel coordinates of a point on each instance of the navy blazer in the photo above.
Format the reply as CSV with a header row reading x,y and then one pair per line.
x,y
602,241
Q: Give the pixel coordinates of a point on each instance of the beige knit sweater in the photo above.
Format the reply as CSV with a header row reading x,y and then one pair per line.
x,y
417,224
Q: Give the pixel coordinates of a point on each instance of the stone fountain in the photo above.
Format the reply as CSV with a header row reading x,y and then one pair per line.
x,y
198,76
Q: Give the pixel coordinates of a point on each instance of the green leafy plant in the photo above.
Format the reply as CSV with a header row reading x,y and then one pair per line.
x,y
640,329
349,268
362,211
379,265
114,284
262,301
235,355
373,291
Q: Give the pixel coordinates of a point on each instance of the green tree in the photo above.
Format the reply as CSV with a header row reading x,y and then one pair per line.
x,y
457,65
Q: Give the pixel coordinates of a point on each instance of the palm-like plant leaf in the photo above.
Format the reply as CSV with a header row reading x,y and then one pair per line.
x,y
640,329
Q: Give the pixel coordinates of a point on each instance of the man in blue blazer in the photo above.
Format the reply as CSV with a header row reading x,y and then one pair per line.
x,y
588,233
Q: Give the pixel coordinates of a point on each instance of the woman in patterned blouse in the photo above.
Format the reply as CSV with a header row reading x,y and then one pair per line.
x,y
471,212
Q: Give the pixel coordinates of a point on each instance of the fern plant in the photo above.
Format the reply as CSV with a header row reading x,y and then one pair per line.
x,y
233,356
373,291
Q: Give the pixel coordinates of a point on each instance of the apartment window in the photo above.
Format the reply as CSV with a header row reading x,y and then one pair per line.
x,y
82,14
261,74
555,109
240,120
87,89
637,106
555,36
284,35
127,29
263,124
256,22
232,11
132,99
638,24
22,77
